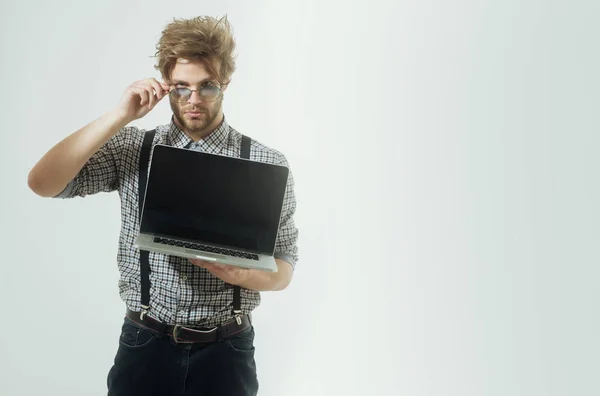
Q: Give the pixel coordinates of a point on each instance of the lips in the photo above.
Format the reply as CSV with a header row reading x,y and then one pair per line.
x,y
194,114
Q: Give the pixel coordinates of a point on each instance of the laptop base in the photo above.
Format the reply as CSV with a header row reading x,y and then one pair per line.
x,y
264,262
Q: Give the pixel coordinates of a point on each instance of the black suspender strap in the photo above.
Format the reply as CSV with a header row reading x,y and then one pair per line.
x,y
144,254
245,150
237,299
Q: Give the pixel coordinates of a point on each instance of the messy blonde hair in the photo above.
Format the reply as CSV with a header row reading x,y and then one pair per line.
x,y
203,38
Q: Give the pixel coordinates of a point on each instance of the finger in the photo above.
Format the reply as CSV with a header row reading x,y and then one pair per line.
x,y
151,97
214,269
142,94
159,91
195,261
148,95
220,266
156,89
210,266
199,262
162,88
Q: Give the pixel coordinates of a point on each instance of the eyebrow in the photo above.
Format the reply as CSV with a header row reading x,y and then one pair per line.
x,y
181,82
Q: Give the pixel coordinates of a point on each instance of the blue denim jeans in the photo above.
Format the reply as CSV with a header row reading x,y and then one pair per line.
x,y
151,364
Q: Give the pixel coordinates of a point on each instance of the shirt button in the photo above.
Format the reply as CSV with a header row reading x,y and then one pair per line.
x,y
184,277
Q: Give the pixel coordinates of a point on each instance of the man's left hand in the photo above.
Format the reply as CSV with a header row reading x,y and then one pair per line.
x,y
228,273
252,279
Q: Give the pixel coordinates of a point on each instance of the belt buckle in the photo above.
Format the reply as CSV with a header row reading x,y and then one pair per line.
x,y
175,335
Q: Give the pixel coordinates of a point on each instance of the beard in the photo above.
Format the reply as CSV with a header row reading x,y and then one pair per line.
x,y
196,126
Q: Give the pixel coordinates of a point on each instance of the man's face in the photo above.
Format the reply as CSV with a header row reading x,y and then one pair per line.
x,y
196,117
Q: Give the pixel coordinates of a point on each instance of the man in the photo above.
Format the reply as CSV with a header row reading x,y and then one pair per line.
x,y
189,299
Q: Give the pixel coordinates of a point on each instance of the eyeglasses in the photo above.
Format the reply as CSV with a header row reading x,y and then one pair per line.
x,y
208,93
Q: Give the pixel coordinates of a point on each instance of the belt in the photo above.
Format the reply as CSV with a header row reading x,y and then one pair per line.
x,y
182,334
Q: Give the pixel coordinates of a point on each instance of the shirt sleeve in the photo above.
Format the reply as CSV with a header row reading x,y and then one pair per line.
x,y
286,245
100,172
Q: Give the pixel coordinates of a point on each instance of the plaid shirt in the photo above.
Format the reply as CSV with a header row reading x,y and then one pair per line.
x,y
180,292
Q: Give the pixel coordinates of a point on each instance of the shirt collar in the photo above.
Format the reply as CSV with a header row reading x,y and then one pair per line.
x,y
214,142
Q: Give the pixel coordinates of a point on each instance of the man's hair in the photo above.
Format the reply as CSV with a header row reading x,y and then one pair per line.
x,y
203,38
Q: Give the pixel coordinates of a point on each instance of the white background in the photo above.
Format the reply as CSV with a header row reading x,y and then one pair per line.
x,y
445,157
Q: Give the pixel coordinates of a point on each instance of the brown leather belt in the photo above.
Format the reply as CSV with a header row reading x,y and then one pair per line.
x,y
181,334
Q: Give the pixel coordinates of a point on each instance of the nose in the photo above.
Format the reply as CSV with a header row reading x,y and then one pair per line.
x,y
194,98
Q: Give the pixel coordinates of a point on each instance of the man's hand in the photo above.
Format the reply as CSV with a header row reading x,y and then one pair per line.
x,y
62,162
250,278
233,275
141,97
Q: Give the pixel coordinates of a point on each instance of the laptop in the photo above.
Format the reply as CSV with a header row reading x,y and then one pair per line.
x,y
212,207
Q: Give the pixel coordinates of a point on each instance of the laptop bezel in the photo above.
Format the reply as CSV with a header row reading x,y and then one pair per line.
x,y
167,148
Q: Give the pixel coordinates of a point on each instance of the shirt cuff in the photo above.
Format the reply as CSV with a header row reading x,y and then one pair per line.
x,y
286,257
67,190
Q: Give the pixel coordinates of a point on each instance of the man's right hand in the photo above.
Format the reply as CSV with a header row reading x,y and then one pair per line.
x,y
141,97
62,162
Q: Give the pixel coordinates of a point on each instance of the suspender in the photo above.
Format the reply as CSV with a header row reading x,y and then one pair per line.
x,y
237,300
144,254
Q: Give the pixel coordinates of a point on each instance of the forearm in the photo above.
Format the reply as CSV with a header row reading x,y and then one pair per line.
x,y
63,161
269,281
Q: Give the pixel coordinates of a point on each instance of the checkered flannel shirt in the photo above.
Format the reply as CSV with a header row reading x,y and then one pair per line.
x,y
180,292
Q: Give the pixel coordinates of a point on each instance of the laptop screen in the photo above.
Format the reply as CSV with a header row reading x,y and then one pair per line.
x,y
213,199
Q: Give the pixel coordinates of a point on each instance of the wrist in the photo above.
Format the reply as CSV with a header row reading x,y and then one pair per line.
x,y
259,280
245,277
118,117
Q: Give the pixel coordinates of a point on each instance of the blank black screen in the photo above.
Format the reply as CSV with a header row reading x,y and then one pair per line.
x,y
212,198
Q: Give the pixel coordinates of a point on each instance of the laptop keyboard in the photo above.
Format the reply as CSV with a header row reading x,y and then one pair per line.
x,y
204,248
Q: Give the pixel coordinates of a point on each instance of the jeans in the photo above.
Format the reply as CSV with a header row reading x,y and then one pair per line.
x,y
152,364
